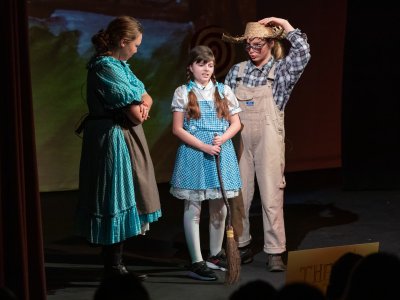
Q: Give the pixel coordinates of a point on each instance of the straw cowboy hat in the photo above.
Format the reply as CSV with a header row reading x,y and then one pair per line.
x,y
256,30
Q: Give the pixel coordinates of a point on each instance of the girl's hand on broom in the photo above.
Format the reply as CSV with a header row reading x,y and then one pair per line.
x,y
215,148
212,149
217,140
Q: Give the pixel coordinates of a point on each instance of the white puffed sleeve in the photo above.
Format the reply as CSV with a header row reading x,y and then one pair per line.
x,y
180,99
233,103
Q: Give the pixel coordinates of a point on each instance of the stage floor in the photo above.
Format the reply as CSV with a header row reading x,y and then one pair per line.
x,y
318,214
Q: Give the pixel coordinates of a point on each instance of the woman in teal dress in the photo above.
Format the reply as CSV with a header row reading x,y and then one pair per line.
x,y
118,195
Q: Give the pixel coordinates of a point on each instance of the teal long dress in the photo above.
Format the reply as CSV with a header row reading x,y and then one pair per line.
x,y
116,170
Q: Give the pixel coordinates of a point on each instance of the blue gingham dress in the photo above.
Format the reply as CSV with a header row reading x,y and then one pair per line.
x,y
195,175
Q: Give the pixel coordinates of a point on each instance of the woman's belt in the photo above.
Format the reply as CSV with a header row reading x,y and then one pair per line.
x,y
90,117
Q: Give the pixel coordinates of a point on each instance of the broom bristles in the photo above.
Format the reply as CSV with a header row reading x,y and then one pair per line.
x,y
233,258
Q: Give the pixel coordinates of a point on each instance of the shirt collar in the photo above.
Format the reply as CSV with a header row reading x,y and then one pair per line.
x,y
264,69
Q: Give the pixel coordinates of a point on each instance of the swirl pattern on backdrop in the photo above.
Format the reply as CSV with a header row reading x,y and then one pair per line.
x,y
224,52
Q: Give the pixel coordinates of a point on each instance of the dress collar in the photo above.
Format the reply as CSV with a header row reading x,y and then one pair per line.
x,y
209,86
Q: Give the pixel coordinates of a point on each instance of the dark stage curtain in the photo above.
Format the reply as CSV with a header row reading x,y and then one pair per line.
x,y
371,106
21,240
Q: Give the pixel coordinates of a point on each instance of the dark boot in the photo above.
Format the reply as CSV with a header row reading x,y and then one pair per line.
x,y
113,263
112,258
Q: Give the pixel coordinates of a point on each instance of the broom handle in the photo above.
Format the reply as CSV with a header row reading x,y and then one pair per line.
x,y
221,183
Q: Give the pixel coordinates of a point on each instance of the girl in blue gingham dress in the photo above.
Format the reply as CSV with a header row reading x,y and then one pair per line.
x,y
205,118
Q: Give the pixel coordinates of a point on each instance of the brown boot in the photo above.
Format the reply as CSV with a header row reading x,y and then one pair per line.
x,y
275,263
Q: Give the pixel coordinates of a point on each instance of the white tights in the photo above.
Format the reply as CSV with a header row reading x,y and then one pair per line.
x,y
191,224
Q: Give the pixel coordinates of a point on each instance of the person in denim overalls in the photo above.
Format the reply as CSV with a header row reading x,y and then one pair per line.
x,y
262,86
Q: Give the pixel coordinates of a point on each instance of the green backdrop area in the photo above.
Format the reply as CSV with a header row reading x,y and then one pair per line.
x,y
60,48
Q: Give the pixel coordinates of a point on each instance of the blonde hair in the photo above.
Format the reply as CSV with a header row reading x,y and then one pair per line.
x,y
278,51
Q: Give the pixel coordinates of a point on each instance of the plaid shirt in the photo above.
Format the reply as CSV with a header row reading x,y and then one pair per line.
x,y
287,72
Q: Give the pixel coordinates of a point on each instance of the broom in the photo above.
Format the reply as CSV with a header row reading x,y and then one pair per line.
x,y
232,252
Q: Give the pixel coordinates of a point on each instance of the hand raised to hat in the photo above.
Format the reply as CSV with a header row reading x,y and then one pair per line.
x,y
277,22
